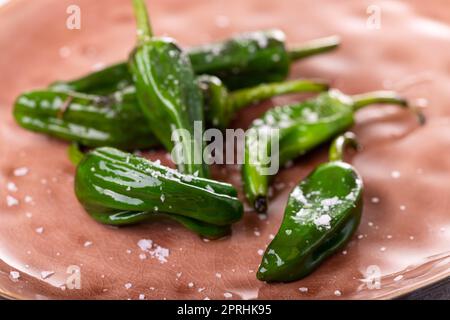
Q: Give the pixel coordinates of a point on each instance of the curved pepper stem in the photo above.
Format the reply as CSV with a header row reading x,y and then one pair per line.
x,y
144,29
314,47
385,97
337,147
75,154
241,98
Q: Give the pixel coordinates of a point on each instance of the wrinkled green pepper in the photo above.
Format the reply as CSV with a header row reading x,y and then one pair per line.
x,y
90,120
322,214
119,188
168,95
245,60
300,128
117,120
221,105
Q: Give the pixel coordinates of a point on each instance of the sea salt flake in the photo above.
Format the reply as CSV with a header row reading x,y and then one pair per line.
x,y
227,295
11,201
14,276
218,275
190,284
337,293
375,200
28,199
260,252
11,186
20,172
142,296
47,274
323,221
128,285
87,244
142,256
201,289
303,289
39,230
145,244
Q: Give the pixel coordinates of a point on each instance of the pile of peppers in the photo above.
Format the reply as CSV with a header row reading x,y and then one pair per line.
x,y
137,104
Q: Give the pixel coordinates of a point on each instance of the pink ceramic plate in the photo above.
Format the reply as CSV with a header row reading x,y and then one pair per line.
x,y
404,236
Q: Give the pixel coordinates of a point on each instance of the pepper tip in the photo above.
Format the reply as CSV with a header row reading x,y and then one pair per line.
x,y
261,204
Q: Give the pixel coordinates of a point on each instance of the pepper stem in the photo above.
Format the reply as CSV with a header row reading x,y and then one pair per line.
x,y
337,147
144,29
385,97
314,47
75,154
241,98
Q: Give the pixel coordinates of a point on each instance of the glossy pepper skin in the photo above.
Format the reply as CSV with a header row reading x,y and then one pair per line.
x,y
302,127
90,120
322,214
221,105
168,94
245,60
120,188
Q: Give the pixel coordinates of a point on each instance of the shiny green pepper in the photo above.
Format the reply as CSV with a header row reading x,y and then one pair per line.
x,y
168,95
90,120
299,128
221,105
120,188
322,214
245,60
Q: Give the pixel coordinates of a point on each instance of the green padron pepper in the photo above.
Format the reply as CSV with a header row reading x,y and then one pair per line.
x,y
119,188
322,213
168,95
117,121
90,120
299,128
245,60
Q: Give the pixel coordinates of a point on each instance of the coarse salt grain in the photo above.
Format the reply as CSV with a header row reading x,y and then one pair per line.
x,y
303,289
145,244
190,284
20,172
218,275
323,221
14,276
11,201
142,256
227,295
375,200
11,186
260,252
337,293
142,296
128,285
39,230
87,244
28,199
